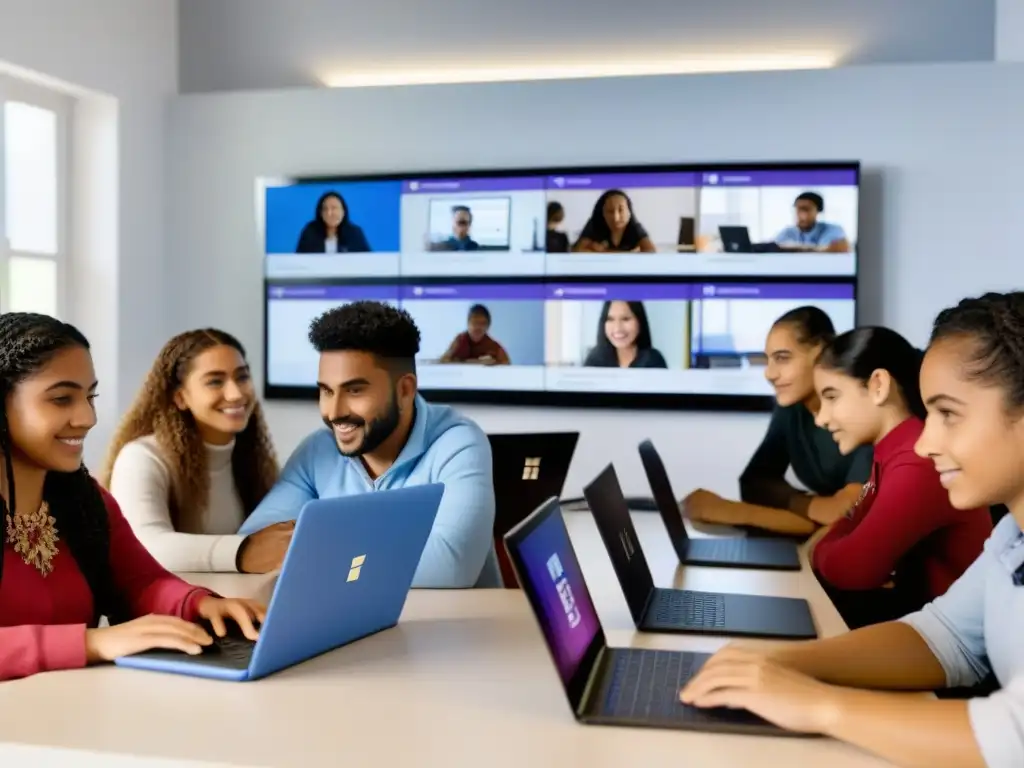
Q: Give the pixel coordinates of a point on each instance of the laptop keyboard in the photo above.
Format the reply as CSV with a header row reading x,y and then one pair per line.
x,y
645,685
722,551
681,608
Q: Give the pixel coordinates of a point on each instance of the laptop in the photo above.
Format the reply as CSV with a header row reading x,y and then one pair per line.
x,y
605,686
528,468
346,575
738,552
735,239
677,610
687,233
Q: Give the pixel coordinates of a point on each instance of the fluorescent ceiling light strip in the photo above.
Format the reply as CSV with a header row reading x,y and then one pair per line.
x,y
708,65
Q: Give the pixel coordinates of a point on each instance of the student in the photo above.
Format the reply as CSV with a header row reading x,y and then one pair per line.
x,y
903,543
835,481
68,557
193,457
331,230
475,345
613,227
972,382
381,434
624,338
556,240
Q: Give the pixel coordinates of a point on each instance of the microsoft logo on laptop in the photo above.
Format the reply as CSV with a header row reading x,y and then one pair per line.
x,y
355,568
564,590
531,469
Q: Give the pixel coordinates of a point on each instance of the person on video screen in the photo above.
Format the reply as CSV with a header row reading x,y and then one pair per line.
x,y
459,240
331,230
810,232
557,241
624,338
613,227
474,345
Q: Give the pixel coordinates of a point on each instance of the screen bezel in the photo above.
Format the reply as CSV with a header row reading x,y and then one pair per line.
x,y
576,687
562,399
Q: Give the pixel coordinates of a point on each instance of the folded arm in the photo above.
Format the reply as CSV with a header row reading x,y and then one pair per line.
x,y
141,484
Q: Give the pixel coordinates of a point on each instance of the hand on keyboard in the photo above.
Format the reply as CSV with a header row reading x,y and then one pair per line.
x,y
246,614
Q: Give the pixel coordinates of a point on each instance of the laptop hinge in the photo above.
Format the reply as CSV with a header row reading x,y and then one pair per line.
x,y
588,688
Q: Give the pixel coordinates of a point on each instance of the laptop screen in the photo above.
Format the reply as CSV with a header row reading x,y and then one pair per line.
x,y
565,611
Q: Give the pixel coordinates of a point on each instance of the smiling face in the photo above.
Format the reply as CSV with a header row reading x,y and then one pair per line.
x,y
359,402
616,213
477,327
974,438
790,368
332,212
50,412
621,326
218,391
849,409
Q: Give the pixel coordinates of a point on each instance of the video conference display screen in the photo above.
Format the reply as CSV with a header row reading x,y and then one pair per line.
x,y
620,287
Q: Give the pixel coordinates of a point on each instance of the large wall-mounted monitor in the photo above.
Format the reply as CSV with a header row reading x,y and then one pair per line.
x,y
622,287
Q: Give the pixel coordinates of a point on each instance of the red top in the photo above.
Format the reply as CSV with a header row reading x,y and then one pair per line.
x,y
903,528
43,619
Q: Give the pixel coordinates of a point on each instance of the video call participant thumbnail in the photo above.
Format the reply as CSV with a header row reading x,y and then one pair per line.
x,y
624,338
493,324
475,345
811,232
331,229
460,238
609,325
614,227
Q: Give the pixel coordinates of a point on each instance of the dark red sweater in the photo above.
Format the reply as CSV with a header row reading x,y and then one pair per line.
x,y
43,620
903,529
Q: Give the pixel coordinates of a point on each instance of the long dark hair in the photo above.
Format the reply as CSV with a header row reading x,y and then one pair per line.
x,y
862,351
597,225
317,225
643,336
27,343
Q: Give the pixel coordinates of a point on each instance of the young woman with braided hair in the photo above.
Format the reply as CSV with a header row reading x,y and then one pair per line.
x,y
972,384
68,556
193,458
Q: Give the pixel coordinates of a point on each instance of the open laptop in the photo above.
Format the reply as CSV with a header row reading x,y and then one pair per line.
x,y
528,468
346,575
737,552
735,239
677,610
605,686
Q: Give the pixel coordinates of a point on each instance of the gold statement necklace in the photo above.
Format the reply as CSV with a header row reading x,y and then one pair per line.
x,y
34,537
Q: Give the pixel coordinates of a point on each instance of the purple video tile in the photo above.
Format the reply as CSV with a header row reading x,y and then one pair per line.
x,y
619,292
341,292
781,178
603,181
496,291
482,184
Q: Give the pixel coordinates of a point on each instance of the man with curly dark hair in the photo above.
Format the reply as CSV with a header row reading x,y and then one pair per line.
x,y
381,434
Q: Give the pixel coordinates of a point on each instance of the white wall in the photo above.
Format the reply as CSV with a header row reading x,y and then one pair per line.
x,y
940,146
119,57
236,44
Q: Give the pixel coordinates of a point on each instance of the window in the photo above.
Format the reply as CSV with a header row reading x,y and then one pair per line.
x,y
33,188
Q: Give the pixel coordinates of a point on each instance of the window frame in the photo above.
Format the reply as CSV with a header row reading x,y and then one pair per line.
x,y
62,105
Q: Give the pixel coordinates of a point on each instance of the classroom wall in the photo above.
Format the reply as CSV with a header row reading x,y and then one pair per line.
x,y
940,146
240,44
118,60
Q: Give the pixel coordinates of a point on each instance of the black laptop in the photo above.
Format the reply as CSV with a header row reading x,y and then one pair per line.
x,y
736,552
676,610
735,239
528,469
606,686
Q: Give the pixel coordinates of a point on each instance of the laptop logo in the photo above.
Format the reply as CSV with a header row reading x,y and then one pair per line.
x,y
531,469
627,545
557,574
355,568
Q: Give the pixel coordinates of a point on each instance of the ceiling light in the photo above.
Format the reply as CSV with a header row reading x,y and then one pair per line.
x,y
575,71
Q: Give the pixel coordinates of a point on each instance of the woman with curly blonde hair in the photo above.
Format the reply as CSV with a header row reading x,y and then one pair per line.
x,y
192,458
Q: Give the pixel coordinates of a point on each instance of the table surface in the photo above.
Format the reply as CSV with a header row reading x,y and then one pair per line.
x,y
464,679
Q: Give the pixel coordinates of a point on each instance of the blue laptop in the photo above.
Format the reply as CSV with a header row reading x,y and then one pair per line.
x,y
346,575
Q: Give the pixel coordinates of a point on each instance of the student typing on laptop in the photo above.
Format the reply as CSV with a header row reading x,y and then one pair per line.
x,y
381,434
68,556
971,383
835,481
